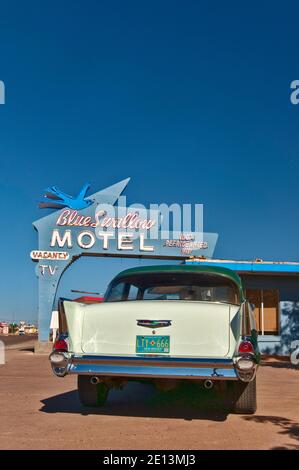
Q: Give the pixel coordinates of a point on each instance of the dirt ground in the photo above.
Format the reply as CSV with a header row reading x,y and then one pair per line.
x,y
41,411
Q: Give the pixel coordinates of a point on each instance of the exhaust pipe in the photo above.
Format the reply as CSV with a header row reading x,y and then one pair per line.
x,y
94,380
208,384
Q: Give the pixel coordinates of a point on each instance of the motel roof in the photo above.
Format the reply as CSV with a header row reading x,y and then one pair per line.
x,y
257,266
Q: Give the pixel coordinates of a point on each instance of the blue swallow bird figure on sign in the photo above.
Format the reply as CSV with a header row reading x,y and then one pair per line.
x,y
56,199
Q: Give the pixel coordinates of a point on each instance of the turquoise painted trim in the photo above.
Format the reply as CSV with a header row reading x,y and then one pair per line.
x,y
251,266
182,268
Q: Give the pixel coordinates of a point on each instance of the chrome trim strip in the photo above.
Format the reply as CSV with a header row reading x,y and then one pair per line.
x,y
154,358
154,323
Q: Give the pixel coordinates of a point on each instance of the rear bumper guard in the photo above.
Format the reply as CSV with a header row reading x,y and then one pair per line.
x,y
149,367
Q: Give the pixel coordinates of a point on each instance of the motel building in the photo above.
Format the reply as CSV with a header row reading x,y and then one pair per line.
x,y
273,288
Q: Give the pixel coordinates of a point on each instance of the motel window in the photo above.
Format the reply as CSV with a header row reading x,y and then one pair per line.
x,y
266,309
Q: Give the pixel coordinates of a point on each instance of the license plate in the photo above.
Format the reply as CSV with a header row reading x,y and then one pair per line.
x,y
152,344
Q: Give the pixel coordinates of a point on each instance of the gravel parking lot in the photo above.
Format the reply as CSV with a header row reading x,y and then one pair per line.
x,y
41,411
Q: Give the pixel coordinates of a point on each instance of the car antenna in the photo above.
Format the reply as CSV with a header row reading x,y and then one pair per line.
x,y
84,292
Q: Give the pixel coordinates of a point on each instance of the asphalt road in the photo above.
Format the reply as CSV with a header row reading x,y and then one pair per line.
x,y
41,411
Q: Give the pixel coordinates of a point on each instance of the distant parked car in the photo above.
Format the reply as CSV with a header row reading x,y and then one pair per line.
x,y
165,324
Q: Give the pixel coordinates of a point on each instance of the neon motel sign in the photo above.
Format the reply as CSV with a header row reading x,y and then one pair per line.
x,y
86,239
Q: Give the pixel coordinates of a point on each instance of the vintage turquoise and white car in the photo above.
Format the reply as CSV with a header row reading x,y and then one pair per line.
x,y
165,324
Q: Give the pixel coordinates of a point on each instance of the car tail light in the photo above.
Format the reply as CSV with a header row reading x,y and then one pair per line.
x,y
60,345
246,347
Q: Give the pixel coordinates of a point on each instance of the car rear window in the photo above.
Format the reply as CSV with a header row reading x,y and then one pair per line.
x,y
201,287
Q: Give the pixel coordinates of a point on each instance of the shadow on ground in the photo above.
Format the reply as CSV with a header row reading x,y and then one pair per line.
x,y
140,400
283,364
286,426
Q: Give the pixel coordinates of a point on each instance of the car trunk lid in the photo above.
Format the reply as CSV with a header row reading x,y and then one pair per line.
x,y
201,329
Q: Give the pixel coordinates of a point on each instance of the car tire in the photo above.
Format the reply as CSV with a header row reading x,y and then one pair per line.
x,y
90,394
244,397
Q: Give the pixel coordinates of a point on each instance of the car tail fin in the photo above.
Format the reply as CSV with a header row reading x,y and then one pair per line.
x,y
63,329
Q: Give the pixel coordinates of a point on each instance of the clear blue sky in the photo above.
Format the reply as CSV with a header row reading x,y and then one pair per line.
x,y
190,99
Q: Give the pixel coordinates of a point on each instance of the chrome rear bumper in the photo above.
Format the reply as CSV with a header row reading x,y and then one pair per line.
x,y
148,367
